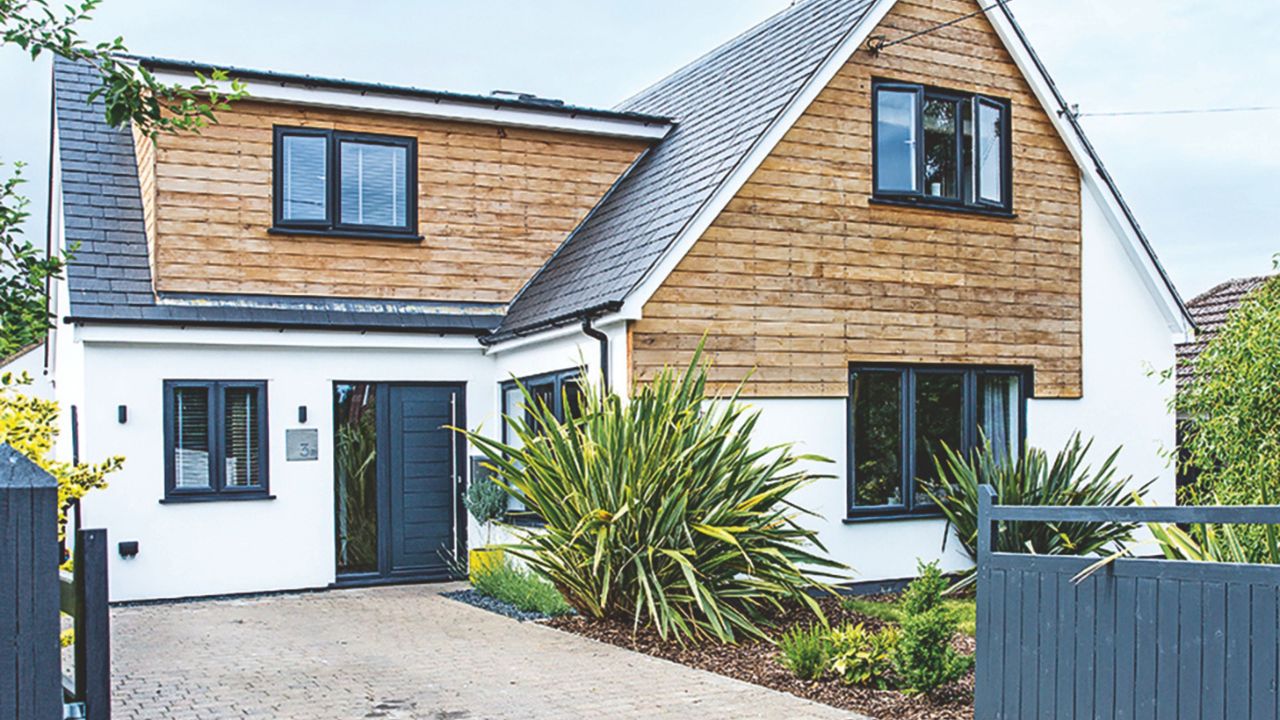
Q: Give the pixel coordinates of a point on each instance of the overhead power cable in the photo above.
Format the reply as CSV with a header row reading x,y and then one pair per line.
x,y
1181,111
876,43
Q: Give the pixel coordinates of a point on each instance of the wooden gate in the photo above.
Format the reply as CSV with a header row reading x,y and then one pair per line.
x,y
1141,638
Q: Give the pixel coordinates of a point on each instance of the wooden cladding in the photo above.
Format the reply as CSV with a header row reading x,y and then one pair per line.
x,y
493,204
801,274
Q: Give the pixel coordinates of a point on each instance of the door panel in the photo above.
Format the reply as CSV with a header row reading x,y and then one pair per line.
x,y
423,457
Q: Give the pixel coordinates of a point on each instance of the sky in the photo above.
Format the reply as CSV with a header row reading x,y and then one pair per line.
x,y
1205,186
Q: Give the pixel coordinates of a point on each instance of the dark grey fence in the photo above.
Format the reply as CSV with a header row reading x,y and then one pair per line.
x,y
1141,638
31,686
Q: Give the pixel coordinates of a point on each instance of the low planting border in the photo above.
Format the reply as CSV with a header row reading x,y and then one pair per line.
x,y
1140,638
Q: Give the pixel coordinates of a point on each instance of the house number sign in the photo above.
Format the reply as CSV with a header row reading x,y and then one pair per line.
x,y
302,444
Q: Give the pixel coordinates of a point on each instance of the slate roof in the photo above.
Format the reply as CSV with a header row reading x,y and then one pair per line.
x,y
1210,311
722,103
109,278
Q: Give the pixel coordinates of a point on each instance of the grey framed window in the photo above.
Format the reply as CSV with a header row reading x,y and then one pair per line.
x,y
899,416
940,148
215,440
560,391
330,182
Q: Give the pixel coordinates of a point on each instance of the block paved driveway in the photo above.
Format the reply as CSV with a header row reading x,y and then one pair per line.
x,y
400,653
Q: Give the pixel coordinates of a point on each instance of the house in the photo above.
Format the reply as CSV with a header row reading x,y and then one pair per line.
x,y
905,239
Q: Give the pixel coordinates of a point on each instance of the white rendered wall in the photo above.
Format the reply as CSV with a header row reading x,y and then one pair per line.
x,y
232,547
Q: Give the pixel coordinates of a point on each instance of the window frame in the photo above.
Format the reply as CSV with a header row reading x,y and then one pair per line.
x,y
558,378
968,182
218,490
332,225
910,507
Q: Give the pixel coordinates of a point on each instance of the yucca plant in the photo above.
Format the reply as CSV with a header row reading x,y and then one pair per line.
x,y
658,510
1033,479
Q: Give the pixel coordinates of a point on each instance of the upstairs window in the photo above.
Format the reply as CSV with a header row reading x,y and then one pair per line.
x,y
901,415
941,148
340,183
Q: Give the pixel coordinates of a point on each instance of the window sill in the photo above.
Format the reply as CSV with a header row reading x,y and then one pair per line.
x,y
890,514
943,206
351,234
215,497
524,519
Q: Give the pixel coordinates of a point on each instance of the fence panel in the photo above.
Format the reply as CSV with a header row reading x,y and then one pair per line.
x,y
1140,638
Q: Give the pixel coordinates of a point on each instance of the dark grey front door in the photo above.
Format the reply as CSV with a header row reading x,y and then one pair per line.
x,y
399,513
423,458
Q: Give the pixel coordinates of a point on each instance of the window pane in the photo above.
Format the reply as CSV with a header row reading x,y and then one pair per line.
x,y
877,439
302,186
990,153
373,184
512,401
939,419
356,452
941,177
999,412
543,393
896,114
191,437
241,422
574,399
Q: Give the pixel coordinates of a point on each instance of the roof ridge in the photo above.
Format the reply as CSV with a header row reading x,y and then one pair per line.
x,y
1228,283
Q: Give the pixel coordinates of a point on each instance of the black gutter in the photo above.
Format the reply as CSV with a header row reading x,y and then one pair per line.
x,y
603,339
555,107
551,323
1066,112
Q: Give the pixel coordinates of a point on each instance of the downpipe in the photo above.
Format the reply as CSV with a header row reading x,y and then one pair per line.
x,y
603,339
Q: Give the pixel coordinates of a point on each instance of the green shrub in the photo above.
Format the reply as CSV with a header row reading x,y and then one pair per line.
x,y
923,656
925,592
1032,479
522,589
659,510
806,652
963,610
861,657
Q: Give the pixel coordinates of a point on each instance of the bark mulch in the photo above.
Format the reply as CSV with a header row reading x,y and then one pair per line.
x,y
756,662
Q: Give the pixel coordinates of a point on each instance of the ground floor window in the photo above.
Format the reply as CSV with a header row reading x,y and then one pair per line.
x,y
561,392
900,415
215,439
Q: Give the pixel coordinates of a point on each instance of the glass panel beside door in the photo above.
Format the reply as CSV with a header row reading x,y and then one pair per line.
x,y
356,493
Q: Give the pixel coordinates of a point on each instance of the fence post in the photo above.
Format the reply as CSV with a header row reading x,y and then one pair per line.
x,y
30,657
982,683
93,624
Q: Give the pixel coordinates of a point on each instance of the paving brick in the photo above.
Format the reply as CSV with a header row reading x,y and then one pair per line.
x,y
399,653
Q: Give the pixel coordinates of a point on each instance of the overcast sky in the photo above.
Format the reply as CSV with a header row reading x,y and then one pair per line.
x,y
1204,186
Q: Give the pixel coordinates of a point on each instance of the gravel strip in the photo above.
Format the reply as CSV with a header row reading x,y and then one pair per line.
x,y
484,602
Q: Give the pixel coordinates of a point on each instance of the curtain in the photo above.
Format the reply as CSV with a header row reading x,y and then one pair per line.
x,y
999,412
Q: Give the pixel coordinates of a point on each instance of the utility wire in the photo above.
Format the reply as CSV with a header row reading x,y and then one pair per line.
x,y
876,43
1184,111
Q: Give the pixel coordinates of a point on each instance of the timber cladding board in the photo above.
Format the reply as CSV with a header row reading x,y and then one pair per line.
x,y
800,275
493,204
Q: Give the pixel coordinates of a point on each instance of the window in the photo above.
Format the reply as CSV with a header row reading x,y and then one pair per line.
x,y
941,148
901,415
215,440
340,183
560,391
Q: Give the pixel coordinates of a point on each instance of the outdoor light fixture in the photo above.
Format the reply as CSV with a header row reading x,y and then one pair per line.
x,y
302,413
128,548
122,414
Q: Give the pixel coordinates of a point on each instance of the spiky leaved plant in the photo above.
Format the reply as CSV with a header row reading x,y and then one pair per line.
x,y
1033,479
659,510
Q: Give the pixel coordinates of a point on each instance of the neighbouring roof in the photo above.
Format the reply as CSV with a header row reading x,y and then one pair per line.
x,y
109,278
1210,311
722,103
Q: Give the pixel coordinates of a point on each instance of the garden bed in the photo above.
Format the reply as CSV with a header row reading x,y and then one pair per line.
x,y
756,662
